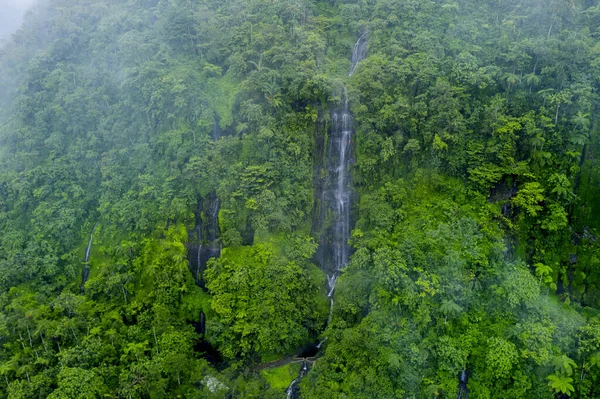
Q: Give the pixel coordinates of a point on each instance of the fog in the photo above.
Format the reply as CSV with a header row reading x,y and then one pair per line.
x,y
11,15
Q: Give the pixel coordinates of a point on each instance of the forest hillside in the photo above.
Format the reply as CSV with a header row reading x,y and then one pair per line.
x,y
312,199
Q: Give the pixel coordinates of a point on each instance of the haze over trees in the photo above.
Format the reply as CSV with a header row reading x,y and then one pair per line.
x,y
12,16
170,199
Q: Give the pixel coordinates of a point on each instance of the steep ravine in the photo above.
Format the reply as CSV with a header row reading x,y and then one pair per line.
x,y
206,230
205,244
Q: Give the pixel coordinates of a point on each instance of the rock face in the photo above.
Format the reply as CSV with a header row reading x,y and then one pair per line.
x,y
208,243
207,232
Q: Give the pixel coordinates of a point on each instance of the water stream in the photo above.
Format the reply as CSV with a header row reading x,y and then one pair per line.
x,y
463,379
216,130
207,225
85,274
292,390
339,184
359,52
208,246
336,199
89,247
207,231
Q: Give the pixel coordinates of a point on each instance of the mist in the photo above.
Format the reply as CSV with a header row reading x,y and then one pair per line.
x,y
11,15
300,199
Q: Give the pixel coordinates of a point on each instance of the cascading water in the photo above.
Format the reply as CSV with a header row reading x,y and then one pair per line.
x,y
339,178
335,199
209,246
341,142
340,193
214,218
292,389
198,253
463,379
213,247
216,130
89,247
86,268
359,52
331,281
207,225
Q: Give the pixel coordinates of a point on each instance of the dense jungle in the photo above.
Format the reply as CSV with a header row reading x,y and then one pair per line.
x,y
302,199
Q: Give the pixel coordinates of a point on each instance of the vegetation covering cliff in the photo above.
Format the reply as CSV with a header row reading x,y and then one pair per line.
x,y
475,216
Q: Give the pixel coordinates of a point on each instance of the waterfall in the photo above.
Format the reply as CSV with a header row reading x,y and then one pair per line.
x,y
336,196
292,391
86,268
341,142
200,326
213,249
463,379
216,130
331,281
359,53
199,255
335,200
89,247
339,194
207,225
214,218
209,246
340,198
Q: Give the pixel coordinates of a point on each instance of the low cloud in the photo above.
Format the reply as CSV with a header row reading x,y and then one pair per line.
x,y
11,15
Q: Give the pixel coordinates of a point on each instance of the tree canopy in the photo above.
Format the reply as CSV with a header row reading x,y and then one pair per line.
x,y
159,133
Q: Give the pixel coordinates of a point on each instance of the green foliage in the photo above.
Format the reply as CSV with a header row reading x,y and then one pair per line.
x,y
75,382
501,357
265,302
529,198
475,198
519,286
560,383
564,365
281,377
